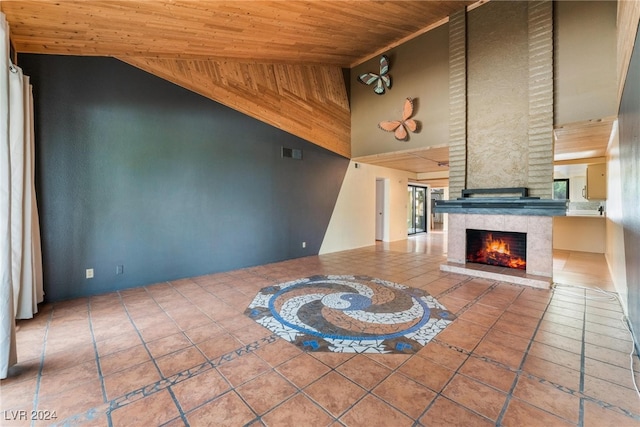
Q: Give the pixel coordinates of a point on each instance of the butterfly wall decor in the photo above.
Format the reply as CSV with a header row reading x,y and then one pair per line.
x,y
401,127
380,81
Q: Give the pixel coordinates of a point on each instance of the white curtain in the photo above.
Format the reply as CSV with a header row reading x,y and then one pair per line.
x,y
20,253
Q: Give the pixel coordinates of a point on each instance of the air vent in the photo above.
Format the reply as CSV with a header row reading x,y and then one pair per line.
x,y
292,153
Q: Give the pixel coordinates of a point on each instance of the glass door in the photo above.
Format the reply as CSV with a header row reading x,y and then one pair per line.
x,y
416,210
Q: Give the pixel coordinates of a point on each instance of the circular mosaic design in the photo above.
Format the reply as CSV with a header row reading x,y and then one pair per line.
x,y
350,314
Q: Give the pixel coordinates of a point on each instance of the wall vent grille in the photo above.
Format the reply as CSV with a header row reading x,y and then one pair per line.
x,y
292,153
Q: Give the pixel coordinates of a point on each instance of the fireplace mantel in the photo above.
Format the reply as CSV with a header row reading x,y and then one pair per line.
x,y
521,205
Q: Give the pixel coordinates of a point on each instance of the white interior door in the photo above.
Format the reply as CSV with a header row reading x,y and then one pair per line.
x,y
380,201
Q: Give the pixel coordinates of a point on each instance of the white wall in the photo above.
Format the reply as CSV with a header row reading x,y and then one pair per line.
x,y
353,223
614,252
585,84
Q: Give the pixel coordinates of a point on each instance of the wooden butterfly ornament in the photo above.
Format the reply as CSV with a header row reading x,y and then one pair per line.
x,y
381,80
400,128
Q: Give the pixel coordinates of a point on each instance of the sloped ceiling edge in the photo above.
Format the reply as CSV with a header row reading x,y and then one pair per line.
x,y
307,101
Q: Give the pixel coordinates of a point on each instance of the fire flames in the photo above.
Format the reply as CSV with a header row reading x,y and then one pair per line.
x,y
497,252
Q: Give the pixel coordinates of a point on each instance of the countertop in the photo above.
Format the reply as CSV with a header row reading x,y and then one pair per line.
x,y
593,214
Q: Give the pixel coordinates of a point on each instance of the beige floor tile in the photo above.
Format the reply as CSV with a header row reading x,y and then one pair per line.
x,y
302,370
266,391
488,373
476,396
335,393
227,410
520,413
155,409
405,395
189,346
297,411
199,389
445,412
548,398
373,412
364,371
243,369
130,379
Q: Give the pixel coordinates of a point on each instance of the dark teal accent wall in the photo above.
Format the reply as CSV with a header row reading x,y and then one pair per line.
x,y
133,170
629,128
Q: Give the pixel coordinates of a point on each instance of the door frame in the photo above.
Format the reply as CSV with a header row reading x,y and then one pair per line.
x,y
426,207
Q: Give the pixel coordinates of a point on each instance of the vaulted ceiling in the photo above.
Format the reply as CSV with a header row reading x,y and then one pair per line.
x,y
278,61
340,33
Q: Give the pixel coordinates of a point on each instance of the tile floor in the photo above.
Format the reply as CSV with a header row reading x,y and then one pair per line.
x,y
183,353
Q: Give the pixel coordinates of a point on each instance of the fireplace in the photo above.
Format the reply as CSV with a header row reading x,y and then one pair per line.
x,y
523,224
502,249
537,271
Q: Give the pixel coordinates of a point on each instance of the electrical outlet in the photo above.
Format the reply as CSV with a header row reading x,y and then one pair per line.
x,y
119,269
89,273
304,244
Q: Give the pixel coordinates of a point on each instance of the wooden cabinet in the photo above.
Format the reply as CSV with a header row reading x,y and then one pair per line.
x,y
596,188
578,187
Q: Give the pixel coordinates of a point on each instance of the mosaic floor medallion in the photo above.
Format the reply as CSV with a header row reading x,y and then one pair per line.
x,y
351,314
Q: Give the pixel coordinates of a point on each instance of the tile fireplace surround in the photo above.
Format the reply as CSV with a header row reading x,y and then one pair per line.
x,y
539,247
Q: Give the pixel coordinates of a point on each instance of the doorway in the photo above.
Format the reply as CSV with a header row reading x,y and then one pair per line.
x,y
416,210
381,207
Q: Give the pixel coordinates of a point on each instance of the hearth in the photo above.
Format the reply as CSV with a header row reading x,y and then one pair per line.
x,y
502,249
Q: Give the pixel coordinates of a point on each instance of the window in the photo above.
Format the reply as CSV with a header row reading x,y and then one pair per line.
x,y
561,189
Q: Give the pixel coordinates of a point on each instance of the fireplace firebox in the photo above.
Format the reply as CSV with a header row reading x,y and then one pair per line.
x,y
498,248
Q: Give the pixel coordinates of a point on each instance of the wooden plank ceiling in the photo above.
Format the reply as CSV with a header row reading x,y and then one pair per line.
x,y
582,140
278,61
424,160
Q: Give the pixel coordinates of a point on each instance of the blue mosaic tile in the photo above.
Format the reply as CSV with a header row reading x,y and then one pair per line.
x,y
354,314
